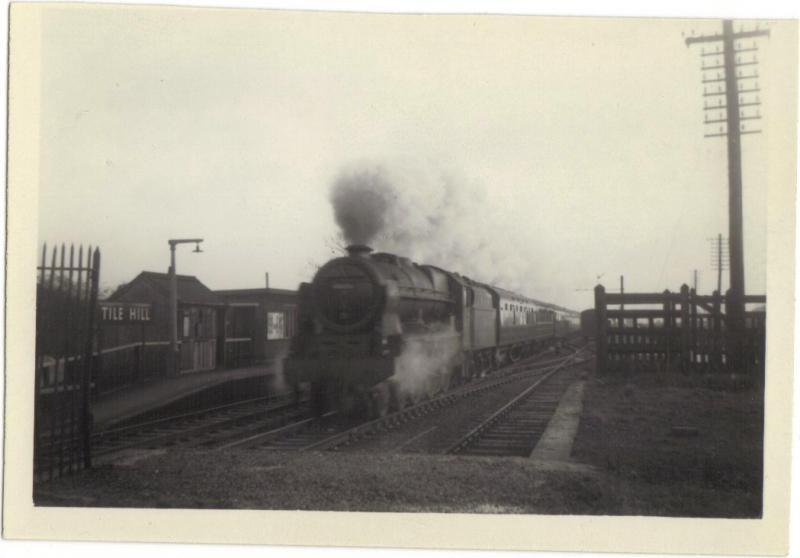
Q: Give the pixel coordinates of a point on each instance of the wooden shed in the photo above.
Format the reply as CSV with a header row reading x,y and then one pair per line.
x,y
261,321
201,315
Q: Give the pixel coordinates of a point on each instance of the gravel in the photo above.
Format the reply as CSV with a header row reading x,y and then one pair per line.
x,y
332,481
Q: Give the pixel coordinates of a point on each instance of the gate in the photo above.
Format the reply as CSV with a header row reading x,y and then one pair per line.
x,y
66,303
682,329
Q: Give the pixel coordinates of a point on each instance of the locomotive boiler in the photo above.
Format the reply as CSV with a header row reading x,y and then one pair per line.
x,y
377,332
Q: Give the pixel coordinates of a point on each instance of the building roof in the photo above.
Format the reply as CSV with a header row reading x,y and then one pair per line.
x,y
514,296
190,289
255,292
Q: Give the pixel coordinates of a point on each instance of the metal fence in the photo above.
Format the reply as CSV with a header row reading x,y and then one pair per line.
x,y
66,303
683,330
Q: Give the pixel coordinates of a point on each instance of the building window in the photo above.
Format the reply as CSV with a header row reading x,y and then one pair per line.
x,y
276,325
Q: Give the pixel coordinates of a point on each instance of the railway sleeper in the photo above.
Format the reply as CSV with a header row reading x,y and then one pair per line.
x,y
491,452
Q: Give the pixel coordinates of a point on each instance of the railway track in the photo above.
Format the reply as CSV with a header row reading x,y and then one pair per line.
x,y
515,428
276,423
336,433
204,427
438,434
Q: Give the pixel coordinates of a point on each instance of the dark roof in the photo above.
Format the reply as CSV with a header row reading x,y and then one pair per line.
x,y
190,289
256,292
509,294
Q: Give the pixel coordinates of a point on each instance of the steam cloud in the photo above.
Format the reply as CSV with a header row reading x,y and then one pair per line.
x,y
422,366
429,215
360,203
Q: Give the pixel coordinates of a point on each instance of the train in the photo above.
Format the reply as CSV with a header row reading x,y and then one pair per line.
x,y
377,332
588,324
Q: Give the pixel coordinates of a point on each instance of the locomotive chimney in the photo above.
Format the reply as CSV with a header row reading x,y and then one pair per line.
x,y
359,250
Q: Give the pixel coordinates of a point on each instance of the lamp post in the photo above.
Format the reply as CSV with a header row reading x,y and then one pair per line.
x,y
174,358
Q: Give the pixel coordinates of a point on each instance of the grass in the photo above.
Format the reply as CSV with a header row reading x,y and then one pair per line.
x,y
711,466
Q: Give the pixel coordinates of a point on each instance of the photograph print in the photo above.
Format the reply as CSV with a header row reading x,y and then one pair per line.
x,y
475,266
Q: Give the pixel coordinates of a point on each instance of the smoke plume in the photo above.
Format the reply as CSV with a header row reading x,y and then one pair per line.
x,y
435,217
360,202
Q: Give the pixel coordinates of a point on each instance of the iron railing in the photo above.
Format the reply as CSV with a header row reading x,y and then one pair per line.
x,y
66,302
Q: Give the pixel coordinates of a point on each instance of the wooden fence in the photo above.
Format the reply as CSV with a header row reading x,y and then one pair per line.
x,y
681,330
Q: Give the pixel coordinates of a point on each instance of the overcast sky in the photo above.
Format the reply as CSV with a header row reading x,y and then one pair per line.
x,y
580,140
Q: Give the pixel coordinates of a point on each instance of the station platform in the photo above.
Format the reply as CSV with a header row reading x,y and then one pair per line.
x,y
168,395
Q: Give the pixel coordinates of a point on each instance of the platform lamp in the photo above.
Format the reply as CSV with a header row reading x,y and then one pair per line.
x,y
174,357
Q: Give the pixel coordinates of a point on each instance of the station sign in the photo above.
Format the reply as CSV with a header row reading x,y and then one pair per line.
x,y
126,312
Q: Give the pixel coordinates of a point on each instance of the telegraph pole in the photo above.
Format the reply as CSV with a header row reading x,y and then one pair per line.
x,y
719,263
719,258
738,85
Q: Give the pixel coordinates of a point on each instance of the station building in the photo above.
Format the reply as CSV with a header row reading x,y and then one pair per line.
x,y
200,317
216,329
265,317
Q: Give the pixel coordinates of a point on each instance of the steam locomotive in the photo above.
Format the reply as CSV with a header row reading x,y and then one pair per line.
x,y
377,332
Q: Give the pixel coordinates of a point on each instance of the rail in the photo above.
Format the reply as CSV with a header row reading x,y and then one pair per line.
x,y
322,440
478,431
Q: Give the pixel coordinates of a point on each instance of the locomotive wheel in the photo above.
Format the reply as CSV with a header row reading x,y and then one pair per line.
x,y
487,368
395,404
348,401
414,398
442,379
296,394
381,401
477,366
428,389
319,396
458,376
435,382
449,379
